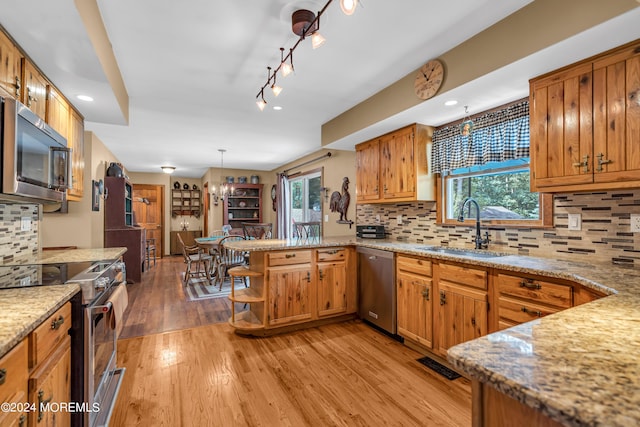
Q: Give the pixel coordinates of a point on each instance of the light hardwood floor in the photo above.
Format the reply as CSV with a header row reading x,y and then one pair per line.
x,y
345,374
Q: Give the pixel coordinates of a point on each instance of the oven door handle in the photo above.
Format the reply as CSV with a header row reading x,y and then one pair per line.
x,y
97,309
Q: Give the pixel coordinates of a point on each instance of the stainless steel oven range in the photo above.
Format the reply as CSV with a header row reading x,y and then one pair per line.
x,y
96,380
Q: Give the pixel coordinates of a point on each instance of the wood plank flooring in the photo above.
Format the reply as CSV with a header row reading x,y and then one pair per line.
x,y
345,374
158,303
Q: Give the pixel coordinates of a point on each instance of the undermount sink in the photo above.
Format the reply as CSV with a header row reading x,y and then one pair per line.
x,y
461,252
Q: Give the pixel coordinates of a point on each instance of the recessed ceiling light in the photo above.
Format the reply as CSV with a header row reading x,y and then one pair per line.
x,y
277,107
85,98
451,102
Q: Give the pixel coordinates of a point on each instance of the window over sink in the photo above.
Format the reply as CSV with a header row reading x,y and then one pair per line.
x,y
489,161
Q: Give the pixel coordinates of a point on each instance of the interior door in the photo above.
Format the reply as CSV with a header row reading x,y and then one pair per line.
x,y
148,207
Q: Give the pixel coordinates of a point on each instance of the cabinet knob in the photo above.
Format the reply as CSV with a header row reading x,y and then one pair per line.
x,y
3,375
443,298
55,324
41,403
425,294
18,85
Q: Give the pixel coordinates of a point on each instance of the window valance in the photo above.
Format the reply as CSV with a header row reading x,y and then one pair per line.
x,y
497,136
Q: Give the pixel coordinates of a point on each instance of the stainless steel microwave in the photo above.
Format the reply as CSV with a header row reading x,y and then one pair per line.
x,y
36,162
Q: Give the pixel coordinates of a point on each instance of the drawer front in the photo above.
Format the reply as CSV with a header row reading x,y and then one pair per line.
x,y
14,374
331,254
465,276
49,334
519,311
421,266
289,258
537,291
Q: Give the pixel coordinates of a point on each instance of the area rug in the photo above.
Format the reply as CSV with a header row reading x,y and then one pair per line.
x,y
199,289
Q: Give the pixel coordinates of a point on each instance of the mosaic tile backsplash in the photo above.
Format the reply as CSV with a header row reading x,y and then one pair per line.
x,y
605,234
16,243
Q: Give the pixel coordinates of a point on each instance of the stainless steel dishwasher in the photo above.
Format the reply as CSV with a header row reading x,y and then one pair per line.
x,y
377,289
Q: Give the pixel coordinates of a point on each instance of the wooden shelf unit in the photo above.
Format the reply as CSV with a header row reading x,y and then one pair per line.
x,y
243,205
186,202
118,204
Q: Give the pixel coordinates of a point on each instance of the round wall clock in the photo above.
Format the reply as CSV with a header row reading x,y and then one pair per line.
x,y
429,79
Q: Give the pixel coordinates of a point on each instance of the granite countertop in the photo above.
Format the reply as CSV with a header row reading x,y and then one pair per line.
x,y
580,367
23,309
63,256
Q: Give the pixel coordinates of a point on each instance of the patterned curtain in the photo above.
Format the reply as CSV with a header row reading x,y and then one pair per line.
x,y
496,136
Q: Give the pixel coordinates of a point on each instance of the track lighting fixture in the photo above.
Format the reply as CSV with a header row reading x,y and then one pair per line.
x,y
304,23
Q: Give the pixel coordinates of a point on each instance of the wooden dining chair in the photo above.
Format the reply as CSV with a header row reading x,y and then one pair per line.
x,y
229,258
257,231
307,230
198,262
150,252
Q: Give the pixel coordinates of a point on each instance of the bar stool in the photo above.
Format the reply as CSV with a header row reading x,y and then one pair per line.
x,y
150,251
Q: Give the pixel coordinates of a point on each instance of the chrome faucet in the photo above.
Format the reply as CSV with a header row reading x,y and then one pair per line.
x,y
480,242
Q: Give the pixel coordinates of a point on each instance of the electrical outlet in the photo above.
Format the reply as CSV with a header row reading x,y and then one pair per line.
x,y
25,281
377,218
635,223
575,222
399,220
326,218
25,223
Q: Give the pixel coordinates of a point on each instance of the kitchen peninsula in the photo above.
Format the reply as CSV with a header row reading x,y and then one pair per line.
x,y
575,367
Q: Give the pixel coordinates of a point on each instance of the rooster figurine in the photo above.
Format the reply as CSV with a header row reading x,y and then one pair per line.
x,y
340,202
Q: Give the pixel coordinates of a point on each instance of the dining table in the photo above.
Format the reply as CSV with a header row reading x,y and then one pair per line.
x,y
212,245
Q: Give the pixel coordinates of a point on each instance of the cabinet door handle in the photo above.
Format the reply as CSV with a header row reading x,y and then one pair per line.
x,y
443,298
601,162
22,420
41,403
473,321
584,163
425,294
309,276
55,324
530,284
531,312
290,255
332,252
3,375
320,275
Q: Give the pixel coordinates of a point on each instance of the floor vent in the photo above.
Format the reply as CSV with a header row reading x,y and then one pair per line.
x,y
439,368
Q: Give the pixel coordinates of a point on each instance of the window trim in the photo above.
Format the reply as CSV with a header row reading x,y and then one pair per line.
x,y
545,221
305,175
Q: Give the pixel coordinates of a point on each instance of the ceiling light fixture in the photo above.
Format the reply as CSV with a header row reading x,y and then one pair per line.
x,y
167,169
84,98
304,23
348,6
287,68
451,102
224,190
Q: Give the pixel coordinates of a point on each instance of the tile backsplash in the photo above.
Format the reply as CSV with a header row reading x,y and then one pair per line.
x,y
16,243
605,233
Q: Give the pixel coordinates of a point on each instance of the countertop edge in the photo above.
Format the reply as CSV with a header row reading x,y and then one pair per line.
x,y
28,323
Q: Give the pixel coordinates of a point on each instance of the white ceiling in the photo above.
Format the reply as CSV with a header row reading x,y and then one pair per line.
x,y
193,69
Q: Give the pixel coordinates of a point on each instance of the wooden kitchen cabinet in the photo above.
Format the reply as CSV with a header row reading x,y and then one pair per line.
x,y
34,94
584,120
336,282
10,67
50,368
463,304
521,298
291,295
402,172
118,206
75,141
368,171
14,377
57,109
415,299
